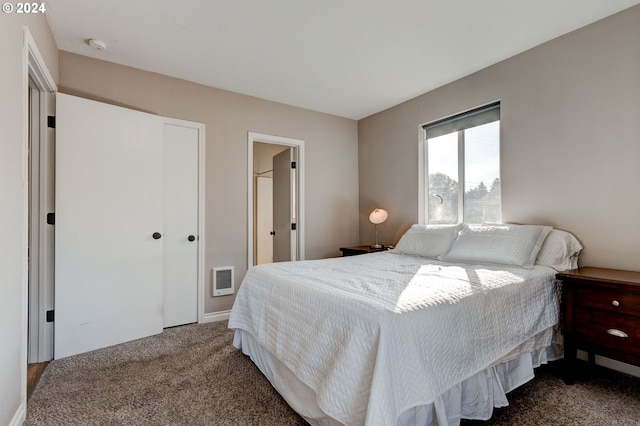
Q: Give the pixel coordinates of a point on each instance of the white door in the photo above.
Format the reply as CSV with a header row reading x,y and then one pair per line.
x,y
180,224
108,265
264,220
41,234
284,236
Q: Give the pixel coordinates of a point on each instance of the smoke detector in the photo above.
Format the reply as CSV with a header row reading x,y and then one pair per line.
x,y
97,44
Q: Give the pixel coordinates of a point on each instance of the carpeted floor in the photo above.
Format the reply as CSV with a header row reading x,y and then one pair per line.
x,y
191,375
600,397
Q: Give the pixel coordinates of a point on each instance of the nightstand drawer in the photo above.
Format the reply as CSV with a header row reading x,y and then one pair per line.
x,y
604,329
618,302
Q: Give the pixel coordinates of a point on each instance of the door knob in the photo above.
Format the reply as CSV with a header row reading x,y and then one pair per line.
x,y
157,235
272,232
191,238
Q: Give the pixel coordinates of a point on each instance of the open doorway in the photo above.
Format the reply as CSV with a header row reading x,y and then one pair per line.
x,y
265,235
276,199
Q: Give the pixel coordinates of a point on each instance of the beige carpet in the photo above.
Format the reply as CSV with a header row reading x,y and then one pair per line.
x,y
191,375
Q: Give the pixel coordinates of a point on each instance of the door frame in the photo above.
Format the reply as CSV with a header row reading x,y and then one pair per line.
x,y
201,201
275,140
35,325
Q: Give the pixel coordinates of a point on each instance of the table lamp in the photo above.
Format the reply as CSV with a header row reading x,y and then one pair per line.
x,y
376,217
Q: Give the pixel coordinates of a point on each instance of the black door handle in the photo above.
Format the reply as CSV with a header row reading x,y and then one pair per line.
x,y
157,235
272,233
191,238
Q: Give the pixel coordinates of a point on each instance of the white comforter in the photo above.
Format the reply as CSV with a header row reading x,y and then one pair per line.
x,y
377,334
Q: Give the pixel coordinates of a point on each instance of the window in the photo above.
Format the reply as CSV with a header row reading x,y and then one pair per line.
x,y
464,148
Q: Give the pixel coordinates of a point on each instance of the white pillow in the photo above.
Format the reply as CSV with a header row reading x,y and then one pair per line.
x,y
559,251
511,245
427,240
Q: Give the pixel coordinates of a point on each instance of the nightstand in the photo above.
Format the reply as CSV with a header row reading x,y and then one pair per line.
x,y
352,251
601,313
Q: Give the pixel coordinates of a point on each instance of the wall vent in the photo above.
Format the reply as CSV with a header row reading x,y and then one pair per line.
x,y
222,281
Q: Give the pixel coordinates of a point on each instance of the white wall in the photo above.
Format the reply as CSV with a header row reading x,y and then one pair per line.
x,y
570,131
13,214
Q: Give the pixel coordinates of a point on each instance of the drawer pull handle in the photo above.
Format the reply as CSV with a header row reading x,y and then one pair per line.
x,y
615,303
617,333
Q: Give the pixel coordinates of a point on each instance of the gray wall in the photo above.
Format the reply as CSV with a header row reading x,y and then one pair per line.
x,y
13,190
331,192
570,141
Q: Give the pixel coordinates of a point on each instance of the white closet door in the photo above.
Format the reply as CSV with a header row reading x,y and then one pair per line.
x,y
181,224
108,266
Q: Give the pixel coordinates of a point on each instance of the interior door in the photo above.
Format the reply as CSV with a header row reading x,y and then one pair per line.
x,y
41,234
109,224
180,224
283,249
264,220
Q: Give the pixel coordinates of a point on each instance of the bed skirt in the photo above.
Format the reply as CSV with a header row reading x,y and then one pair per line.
x,y
474,398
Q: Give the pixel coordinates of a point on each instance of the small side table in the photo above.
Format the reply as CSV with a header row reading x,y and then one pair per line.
x,y
601,312
354,250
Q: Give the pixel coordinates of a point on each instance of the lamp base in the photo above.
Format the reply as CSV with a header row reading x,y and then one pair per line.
x,y
376,246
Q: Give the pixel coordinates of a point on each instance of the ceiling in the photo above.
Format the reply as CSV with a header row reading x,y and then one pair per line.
x,y
350,58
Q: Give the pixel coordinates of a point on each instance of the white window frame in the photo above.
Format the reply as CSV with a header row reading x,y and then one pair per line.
x,y
423,171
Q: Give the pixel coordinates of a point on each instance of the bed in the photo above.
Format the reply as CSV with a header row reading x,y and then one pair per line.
x,y
439,329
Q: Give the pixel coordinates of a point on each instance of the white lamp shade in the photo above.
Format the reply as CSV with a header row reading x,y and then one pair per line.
x,y
378,216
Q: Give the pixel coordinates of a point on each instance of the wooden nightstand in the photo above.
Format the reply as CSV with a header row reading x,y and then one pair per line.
x,y
352,251
601,312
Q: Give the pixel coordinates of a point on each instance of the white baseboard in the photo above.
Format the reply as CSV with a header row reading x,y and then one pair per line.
x,y
20,416
216,316
622,367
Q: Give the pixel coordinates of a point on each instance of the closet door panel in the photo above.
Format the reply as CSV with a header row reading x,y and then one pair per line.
x,y
109,204
180,224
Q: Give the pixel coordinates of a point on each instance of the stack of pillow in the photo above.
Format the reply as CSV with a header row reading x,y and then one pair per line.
x,y
502,244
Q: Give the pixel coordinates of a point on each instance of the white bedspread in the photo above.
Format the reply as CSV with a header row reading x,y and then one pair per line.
x,y
377,334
